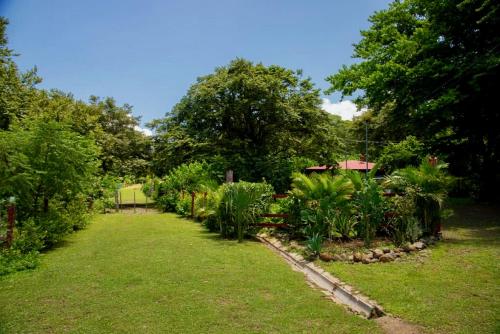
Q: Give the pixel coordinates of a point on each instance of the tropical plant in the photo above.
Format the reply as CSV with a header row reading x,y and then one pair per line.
x,y
183,206
206,205
240,205
368,203
429,184
315,244
403,225
345,226
323,196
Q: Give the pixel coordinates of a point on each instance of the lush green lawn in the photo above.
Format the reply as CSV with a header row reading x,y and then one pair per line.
x,y
127,195
455,290
160,274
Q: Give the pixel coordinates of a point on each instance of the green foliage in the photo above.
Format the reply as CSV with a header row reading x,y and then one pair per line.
x,y
408,152
183,206
254,118
30,237
314,244
240,205
107,186
49,169
321,197
404,226
428,185
293,207
14,260
323,190
206,205
368,203
51,147
181,181
427,68
17,89
124,149
344,226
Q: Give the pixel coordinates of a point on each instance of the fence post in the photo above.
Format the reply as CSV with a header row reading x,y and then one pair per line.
x,y
120,195
193,194
117,207
11,216
134,201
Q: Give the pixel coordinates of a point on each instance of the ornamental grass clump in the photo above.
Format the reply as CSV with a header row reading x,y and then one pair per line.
x,y
240,206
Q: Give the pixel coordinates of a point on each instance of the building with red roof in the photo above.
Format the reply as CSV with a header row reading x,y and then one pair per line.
x,y
358,165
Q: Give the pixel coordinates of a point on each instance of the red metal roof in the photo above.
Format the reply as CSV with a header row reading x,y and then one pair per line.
x,y
319,168
355,165
346,164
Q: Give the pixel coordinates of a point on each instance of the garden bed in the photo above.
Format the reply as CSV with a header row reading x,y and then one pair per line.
x,y
353,251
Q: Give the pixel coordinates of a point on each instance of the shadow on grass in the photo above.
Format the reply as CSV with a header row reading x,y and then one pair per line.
x,y
214,236
473,224
60,244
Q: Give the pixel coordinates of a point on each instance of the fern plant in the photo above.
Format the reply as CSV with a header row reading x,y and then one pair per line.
x,y
323,195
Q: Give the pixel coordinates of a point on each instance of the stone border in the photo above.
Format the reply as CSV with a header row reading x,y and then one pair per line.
x,y
331,286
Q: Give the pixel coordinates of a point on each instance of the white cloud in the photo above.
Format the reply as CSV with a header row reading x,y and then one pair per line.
x,y
147,132
345,109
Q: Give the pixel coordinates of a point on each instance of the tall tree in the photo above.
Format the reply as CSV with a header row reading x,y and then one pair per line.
x,y
124,149
251,115
431,69
16,88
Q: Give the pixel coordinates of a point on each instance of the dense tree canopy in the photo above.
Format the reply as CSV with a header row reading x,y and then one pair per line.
x,y
431,69
251,116
51,148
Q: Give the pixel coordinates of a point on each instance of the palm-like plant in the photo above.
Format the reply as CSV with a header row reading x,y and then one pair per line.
x,y
369,204
239,206
429,184
324,196
322,189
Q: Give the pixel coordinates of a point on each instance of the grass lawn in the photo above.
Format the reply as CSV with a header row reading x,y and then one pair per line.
x,y
156,273
455,290
127,195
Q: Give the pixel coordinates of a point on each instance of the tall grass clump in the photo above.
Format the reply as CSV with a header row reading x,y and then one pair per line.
x,y
240,205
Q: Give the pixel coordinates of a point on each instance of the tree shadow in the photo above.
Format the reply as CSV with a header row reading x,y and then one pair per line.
x,y
473,224
216,237
60,244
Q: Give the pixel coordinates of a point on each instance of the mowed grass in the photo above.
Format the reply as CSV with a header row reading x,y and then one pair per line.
x,y
156,273
127,195
455,290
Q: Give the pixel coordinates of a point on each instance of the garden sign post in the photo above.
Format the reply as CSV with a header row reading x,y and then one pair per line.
x,y
229,176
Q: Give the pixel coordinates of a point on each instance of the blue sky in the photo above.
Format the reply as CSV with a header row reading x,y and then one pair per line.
x,y
148,53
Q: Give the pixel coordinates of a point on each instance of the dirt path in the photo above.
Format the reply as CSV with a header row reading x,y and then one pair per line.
x,y
391,325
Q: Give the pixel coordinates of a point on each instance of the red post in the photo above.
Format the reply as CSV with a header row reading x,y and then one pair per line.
x,y
11,216
193,195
